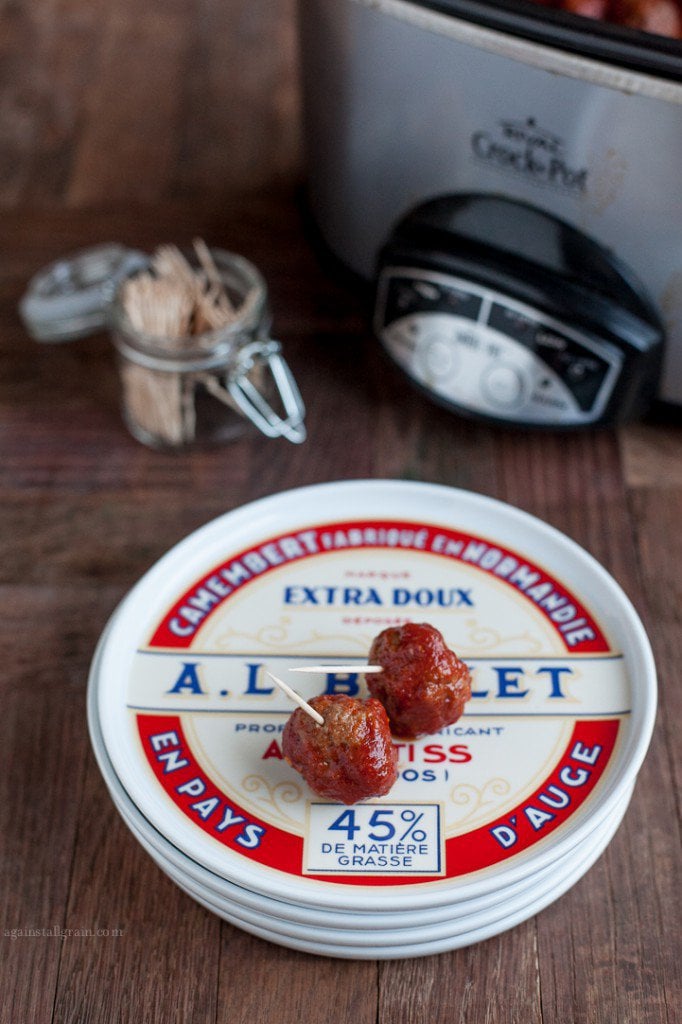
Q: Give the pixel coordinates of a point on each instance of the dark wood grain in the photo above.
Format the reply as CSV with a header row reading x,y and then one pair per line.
x,y
160,123
494,980
116,101
314,986
46,639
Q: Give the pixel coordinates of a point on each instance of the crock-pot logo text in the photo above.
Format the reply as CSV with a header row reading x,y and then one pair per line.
x,y
525,148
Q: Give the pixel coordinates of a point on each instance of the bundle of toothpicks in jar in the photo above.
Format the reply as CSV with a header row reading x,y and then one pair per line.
x,y
178,307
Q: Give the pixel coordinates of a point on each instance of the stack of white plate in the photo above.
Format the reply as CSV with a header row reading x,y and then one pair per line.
x,y
490,821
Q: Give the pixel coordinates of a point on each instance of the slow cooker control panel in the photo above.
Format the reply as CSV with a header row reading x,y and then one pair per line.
x,y
484,352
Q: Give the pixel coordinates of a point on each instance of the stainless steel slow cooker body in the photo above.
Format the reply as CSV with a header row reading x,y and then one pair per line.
x,y
406,100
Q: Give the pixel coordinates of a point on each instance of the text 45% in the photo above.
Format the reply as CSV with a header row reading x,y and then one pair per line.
x,y
382,826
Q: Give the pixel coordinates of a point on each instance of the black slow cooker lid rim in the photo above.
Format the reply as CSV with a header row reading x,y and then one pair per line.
x,y
617,45
563,299
589,269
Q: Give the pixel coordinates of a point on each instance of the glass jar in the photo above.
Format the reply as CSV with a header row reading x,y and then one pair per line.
x,y
206,387
179,390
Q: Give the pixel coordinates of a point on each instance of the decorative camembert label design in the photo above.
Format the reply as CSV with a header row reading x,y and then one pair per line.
x,y
549,700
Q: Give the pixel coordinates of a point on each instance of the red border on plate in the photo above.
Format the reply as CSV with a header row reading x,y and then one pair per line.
x,y
191,789
566,614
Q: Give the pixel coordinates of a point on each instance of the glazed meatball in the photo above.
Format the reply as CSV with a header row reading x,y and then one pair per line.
x,y
659,17
424,685
349,758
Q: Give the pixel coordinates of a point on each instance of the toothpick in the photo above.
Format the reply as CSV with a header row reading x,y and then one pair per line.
x,y
337,668
207,262
297,699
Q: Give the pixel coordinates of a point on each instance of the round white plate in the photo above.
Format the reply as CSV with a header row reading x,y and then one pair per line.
x,y
405,942
197,880
327,929
548,748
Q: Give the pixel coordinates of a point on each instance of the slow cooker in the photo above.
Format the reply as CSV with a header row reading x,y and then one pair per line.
x,y
507,177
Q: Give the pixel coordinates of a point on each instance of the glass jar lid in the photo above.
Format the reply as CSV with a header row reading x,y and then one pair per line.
x,y
76,296
70,298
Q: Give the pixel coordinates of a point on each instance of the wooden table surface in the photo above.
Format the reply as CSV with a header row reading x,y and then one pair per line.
x,y
151,123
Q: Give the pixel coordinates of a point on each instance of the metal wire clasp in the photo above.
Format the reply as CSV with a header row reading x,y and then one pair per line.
x,y
253,403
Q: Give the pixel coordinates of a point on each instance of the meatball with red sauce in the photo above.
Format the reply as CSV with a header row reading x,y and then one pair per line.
x,y
349,758
424,685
